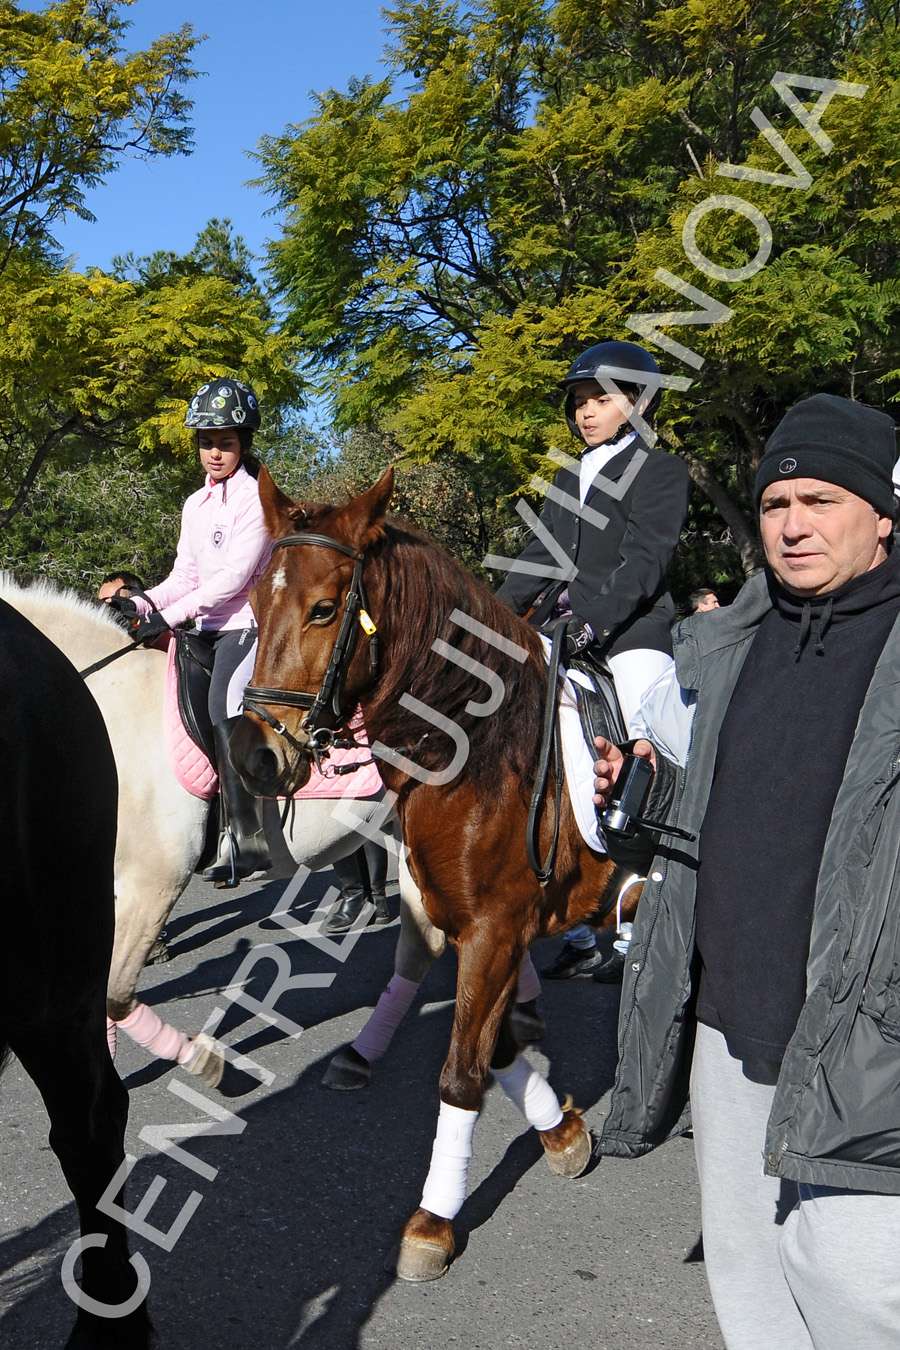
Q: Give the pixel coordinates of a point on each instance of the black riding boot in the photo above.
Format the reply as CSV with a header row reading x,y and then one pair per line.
x,y
242,848
377,868
353,875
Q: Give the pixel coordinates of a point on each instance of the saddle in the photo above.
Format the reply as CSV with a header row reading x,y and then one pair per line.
x,y
600,714
193,667
598,706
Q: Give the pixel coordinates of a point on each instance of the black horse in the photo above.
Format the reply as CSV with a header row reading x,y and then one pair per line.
x,y
58,795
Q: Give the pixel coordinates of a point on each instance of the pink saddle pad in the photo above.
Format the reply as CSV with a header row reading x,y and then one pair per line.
x,y
197,775
189,764
365,782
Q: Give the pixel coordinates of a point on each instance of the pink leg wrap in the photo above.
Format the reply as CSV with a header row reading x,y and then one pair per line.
x,y
149,1030
111,1037
390,1010
529,985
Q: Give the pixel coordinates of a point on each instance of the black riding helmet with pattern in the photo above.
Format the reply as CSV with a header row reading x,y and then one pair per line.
x,y
608,359
223,402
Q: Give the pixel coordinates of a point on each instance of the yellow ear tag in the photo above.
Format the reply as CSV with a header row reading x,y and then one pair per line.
x,y
368,626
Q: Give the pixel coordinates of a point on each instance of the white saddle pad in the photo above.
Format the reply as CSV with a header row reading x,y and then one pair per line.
x,y
578,759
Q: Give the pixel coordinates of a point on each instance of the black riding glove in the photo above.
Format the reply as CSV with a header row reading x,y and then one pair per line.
x,y
124,606
578,634
149,628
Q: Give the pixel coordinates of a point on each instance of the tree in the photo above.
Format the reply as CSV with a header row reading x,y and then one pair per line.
x,y
217,252
72,102
463,506
89,513
457,231
111,363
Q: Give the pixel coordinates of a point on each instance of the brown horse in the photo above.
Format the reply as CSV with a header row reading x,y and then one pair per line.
x,y
461,766
57,842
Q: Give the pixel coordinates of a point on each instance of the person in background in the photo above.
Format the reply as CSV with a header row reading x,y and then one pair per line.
x,y
704,600
120,583
362,877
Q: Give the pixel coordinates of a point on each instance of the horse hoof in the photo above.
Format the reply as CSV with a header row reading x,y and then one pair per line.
x,y
158,953
348,1071
382,913
567,1147
526,1023
426,1248
205,1062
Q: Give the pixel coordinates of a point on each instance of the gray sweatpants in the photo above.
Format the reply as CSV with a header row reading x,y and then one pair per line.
x,y
790,1267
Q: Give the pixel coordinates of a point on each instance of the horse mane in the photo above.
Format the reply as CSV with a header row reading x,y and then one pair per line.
x,y
421,586
40,599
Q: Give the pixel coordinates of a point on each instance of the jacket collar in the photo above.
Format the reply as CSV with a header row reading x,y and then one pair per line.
x,y
233,483
695,637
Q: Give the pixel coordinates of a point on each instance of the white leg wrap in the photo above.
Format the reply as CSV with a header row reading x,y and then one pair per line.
x,y
390,1010
531,1093
529,986
445,1185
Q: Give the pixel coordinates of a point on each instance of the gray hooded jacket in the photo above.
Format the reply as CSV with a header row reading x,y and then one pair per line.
x,y
835,1117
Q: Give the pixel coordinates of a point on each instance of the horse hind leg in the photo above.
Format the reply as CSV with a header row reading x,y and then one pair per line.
x,y
419,946
564,1136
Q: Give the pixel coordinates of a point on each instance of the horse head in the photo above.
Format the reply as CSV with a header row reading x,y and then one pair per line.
x,y
311,665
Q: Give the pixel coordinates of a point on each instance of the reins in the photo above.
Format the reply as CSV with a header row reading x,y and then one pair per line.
x,y
105,661
550,744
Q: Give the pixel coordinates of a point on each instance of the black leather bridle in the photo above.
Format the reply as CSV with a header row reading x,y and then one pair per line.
x,y
328,696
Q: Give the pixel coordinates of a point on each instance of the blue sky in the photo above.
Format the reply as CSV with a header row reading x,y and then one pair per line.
x,y
261,59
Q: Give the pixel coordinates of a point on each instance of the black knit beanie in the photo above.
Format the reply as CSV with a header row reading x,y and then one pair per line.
x,y
837,441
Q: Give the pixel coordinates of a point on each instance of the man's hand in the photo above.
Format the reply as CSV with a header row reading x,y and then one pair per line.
x,y
607,767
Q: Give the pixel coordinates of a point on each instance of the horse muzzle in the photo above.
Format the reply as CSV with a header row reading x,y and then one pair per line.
x,y
267,765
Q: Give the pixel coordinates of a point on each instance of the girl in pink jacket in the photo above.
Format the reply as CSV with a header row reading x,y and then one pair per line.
x,y
222,551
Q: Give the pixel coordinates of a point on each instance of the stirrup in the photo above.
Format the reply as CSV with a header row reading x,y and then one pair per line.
x,y
237,864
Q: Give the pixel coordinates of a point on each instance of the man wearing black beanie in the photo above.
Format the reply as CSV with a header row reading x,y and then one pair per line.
x,y
764,973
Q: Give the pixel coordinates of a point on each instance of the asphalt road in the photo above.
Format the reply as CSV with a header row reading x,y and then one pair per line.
x,y
301,1204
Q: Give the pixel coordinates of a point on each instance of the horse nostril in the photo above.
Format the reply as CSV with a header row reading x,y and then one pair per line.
x,y
263,764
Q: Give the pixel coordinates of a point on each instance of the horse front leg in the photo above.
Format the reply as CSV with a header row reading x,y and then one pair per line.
x,y
142,904
487,977
88,1108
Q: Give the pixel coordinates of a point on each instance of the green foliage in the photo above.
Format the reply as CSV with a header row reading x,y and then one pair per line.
x,y
72,101
463,506
113,363
217,252
457,231
88,514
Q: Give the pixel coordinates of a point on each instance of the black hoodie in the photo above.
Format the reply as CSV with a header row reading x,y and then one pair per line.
x,y
780,762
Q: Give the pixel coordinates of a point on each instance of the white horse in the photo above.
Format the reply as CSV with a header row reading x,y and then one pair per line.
x,y
162,827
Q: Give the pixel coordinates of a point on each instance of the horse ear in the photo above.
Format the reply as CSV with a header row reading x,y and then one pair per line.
x,y
277,506
362,519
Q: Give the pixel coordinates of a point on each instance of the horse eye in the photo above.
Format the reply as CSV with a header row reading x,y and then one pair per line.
x,y
322,611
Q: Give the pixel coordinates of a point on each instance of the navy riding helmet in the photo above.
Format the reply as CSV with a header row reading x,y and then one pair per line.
x,y
602,359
